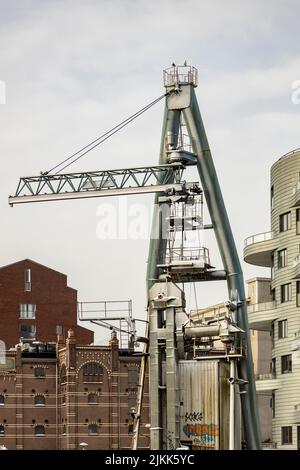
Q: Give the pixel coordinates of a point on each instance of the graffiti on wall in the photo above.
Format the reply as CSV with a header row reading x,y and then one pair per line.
x,y
205,433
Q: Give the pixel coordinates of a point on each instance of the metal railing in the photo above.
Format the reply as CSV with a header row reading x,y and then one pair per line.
x,y
188,254
270,376
261,307
269,445
104,310
259,237
180,74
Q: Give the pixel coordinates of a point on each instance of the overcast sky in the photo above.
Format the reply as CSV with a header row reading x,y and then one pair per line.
x,y
73,69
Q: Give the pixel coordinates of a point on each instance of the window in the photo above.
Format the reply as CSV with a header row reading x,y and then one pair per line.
x,y
286,292
2,399
59,330
2,430
273,366
39,430
92,398
287,435
28,332
282,258
273,295
298,294
282,329
285,222
63,374
92,372
93,428
63,400
272,333
39,372
27,311
297,221
286,364
27,280
272,197
273,404
39,400
64,429
132,377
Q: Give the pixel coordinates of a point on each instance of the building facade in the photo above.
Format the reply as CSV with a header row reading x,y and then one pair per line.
x,y
279,250
36,304
68,396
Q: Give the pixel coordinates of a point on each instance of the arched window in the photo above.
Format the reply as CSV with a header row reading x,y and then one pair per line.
x,y
2,430
92,398
93,428
39,400
39,372
63,374
2,399
93,372
39,430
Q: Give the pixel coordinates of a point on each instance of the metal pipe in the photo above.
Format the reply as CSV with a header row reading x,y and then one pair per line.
x,y
201,331
232,406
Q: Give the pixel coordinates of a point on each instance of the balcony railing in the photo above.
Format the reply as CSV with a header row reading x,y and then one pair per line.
x,y
261,307
270,376
269,445
259,237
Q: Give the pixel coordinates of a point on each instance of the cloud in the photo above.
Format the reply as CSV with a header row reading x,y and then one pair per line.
x,y
73,69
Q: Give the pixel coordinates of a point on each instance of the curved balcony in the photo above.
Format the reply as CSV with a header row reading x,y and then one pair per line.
x,y
259,248
261,316
266,382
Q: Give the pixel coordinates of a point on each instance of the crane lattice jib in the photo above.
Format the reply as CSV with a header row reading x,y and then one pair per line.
x,y
151,179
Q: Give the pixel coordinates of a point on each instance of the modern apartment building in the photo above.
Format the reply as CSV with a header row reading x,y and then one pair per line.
x,y
70,396
279,250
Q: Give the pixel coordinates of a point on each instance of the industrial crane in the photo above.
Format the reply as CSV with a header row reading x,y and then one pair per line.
x,y
175,341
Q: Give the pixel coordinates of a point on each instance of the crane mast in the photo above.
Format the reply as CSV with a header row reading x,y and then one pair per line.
x,y
175,341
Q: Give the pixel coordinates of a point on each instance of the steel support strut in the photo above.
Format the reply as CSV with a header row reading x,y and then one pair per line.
x,y
185,101
230,260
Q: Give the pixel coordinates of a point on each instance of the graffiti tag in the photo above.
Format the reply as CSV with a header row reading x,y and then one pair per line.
x,y
193,416
205,431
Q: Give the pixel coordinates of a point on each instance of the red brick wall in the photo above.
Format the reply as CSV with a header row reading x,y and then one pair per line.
x,y
56,303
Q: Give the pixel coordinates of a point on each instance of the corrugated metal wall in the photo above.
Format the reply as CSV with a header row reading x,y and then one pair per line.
x,y
202,404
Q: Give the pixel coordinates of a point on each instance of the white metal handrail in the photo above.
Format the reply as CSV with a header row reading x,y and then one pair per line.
x,y
261,307
187,254
259,237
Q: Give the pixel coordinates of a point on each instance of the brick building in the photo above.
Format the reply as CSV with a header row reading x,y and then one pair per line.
x,y
37,304
57,396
